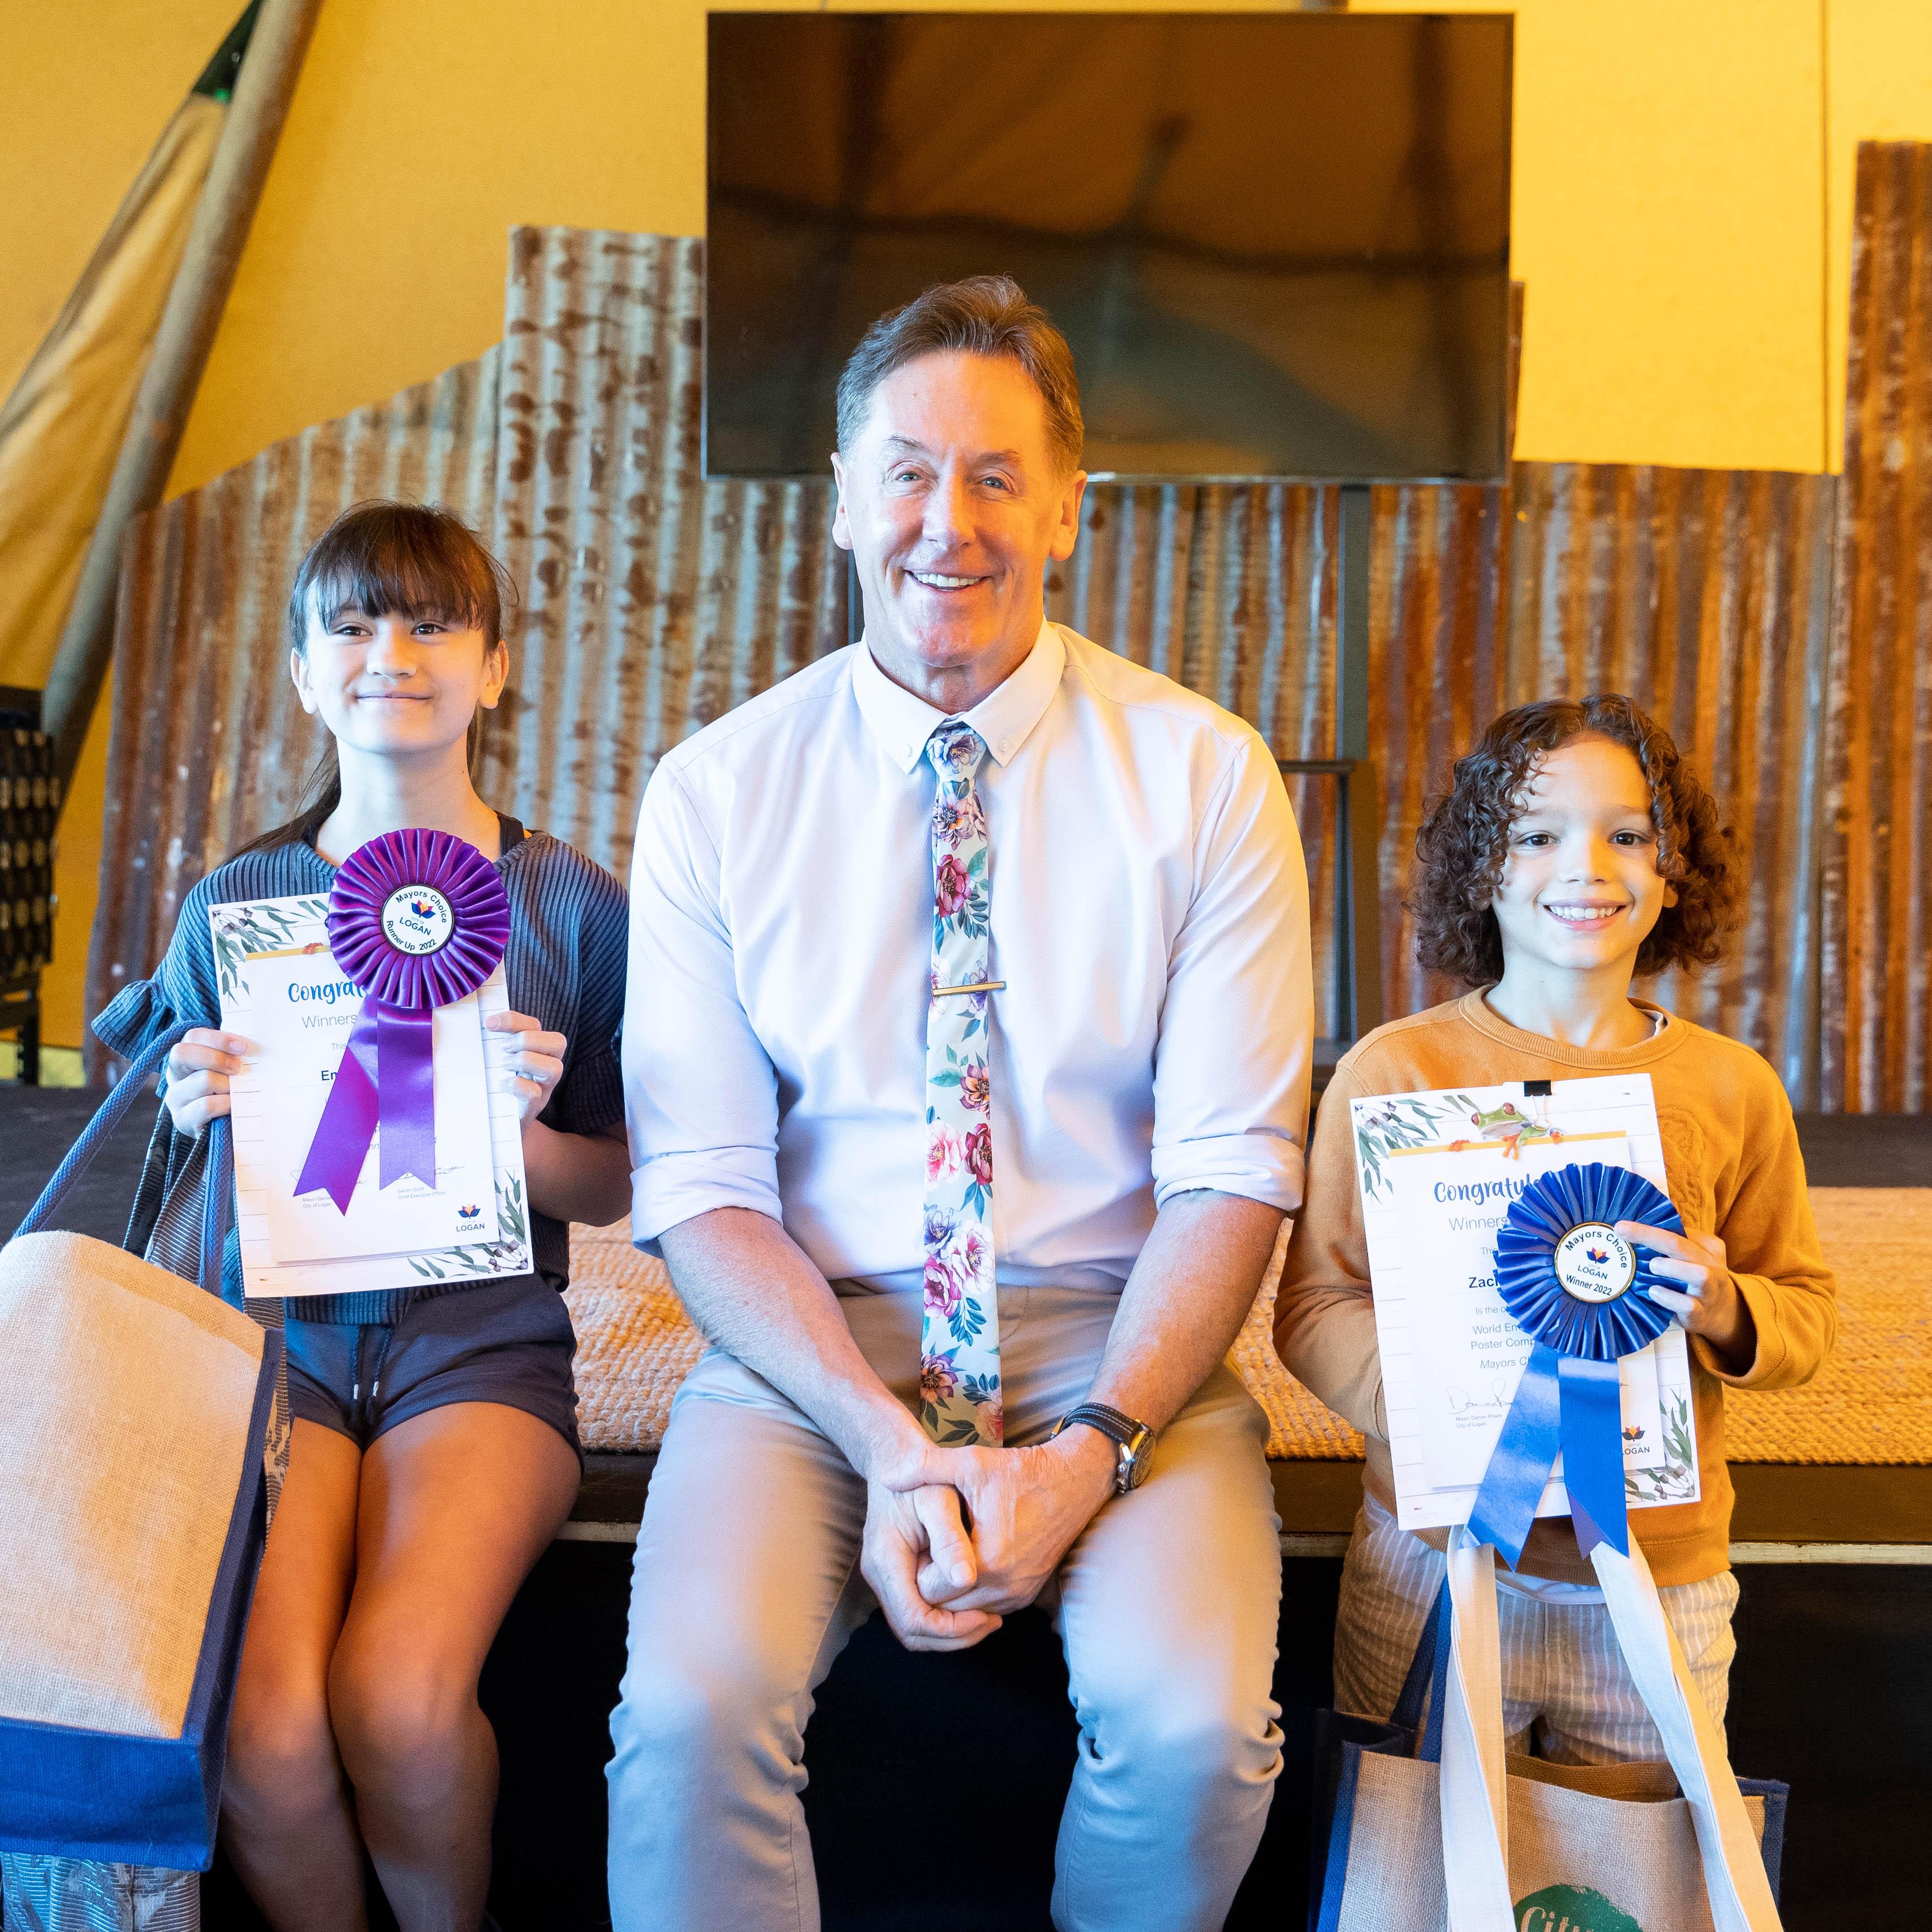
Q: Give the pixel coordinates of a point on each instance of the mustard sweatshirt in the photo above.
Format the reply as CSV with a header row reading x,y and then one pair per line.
x,y
1731,1155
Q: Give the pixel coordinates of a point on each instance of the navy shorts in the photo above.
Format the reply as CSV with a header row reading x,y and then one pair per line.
x,y
508,1342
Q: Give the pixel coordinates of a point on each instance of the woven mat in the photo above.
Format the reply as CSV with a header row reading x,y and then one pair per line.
x,y
1871,1403
635,1342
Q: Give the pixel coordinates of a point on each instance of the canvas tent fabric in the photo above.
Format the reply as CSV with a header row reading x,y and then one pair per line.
x,y
61,427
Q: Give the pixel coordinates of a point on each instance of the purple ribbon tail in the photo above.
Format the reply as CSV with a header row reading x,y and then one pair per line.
x,y
1593,1453
348,1117
407,1092
1520,1464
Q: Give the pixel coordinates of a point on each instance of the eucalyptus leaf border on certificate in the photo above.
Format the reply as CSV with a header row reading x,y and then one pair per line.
x,y
247,930
1424,1254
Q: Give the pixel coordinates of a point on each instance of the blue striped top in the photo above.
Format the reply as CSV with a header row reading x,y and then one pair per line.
x,y
565,966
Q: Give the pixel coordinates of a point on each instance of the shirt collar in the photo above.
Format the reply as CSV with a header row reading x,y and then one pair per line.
x,y
1004,718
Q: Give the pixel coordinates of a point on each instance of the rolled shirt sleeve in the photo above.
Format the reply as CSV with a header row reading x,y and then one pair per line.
x,y
1232,1065
701,1092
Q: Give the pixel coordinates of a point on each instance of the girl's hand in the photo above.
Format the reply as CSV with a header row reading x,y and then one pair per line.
x,y
539,1065
1708,1303
198,1072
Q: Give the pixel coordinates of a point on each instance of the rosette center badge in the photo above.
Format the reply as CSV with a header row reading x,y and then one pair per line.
x,y
1593,1263
418,920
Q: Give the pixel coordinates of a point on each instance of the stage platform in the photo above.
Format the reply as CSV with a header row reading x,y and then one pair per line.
x,y
1832,1678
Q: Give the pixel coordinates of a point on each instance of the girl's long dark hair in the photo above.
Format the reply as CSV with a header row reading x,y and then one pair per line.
x,y
414,560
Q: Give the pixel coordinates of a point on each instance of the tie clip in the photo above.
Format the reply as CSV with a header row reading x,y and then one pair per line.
x,y
977,986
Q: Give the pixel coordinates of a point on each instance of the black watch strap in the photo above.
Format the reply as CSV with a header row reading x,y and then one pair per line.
x,y
1134,1439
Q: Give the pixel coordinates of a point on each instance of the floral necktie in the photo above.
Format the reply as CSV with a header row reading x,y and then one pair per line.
x,y
959,1369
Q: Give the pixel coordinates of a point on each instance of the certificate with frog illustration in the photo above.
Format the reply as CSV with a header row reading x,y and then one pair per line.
x,y
1437,1172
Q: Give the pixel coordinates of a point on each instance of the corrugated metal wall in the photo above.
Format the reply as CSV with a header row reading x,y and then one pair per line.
x,y
1877,896
1705,595
1228,589
656,600
208,745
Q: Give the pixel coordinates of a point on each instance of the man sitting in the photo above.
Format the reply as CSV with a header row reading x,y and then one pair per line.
x,y
966,1057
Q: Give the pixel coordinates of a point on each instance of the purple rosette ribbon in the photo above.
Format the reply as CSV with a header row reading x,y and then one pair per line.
x,y
418,919
1581,1293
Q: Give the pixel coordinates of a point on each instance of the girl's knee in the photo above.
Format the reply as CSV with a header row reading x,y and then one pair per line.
x,y
282,1764
402,1722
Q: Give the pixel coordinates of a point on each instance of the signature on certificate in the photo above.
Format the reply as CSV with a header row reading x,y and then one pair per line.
x,y
1473,1407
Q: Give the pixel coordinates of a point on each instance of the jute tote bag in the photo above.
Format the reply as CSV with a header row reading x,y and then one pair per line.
x,y
132,1423
1611,1848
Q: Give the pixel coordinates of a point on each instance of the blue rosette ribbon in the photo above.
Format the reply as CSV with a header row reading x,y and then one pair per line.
x,y
1581,1293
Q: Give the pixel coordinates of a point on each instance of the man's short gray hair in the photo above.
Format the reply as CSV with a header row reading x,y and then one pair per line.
x,y
984,315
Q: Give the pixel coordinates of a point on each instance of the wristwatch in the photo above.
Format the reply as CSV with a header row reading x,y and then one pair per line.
x,y
1133,1440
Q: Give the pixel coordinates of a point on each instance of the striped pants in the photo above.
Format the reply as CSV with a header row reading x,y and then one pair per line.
x,y
45,1894
1567,1695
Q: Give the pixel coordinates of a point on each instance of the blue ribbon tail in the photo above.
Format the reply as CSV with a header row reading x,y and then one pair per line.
x,y
1593,1453
1520,1464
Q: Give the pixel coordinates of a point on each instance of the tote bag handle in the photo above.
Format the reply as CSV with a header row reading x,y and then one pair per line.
x,y
1474,1789
218,1187
1734,1874
1475,1844
1428,1677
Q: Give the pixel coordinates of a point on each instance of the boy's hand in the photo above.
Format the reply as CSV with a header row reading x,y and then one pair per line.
x,y
1708,1304
539,1065
199,1069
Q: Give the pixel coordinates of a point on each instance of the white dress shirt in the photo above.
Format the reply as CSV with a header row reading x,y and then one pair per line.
x,y
1149,916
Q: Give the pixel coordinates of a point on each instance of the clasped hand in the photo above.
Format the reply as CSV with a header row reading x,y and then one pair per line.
x,y
958,1538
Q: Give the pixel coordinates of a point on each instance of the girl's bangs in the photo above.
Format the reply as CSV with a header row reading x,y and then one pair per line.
x,y
399,560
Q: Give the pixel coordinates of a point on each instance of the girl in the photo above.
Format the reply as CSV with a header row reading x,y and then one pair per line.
x,y
1575,849
434,1450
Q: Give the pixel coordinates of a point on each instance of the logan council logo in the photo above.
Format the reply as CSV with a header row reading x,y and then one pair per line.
x,y
1571,1908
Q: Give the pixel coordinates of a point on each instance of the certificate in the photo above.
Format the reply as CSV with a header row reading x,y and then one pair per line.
x,y
296,1011
282,991
1437,1172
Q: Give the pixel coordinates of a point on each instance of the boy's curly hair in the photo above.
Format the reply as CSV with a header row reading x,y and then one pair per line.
x,y
1463,841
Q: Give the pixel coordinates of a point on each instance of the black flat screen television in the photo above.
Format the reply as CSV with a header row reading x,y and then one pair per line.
x,y
1278,243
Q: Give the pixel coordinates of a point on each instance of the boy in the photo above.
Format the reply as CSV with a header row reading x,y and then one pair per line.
x,y
1575,850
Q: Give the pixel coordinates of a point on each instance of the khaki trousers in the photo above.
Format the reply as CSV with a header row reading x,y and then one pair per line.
x,y
746,1588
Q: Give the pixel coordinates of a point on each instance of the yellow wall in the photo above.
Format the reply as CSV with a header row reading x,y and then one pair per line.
x,y
1669,218
1668,227
85,90
1683,179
